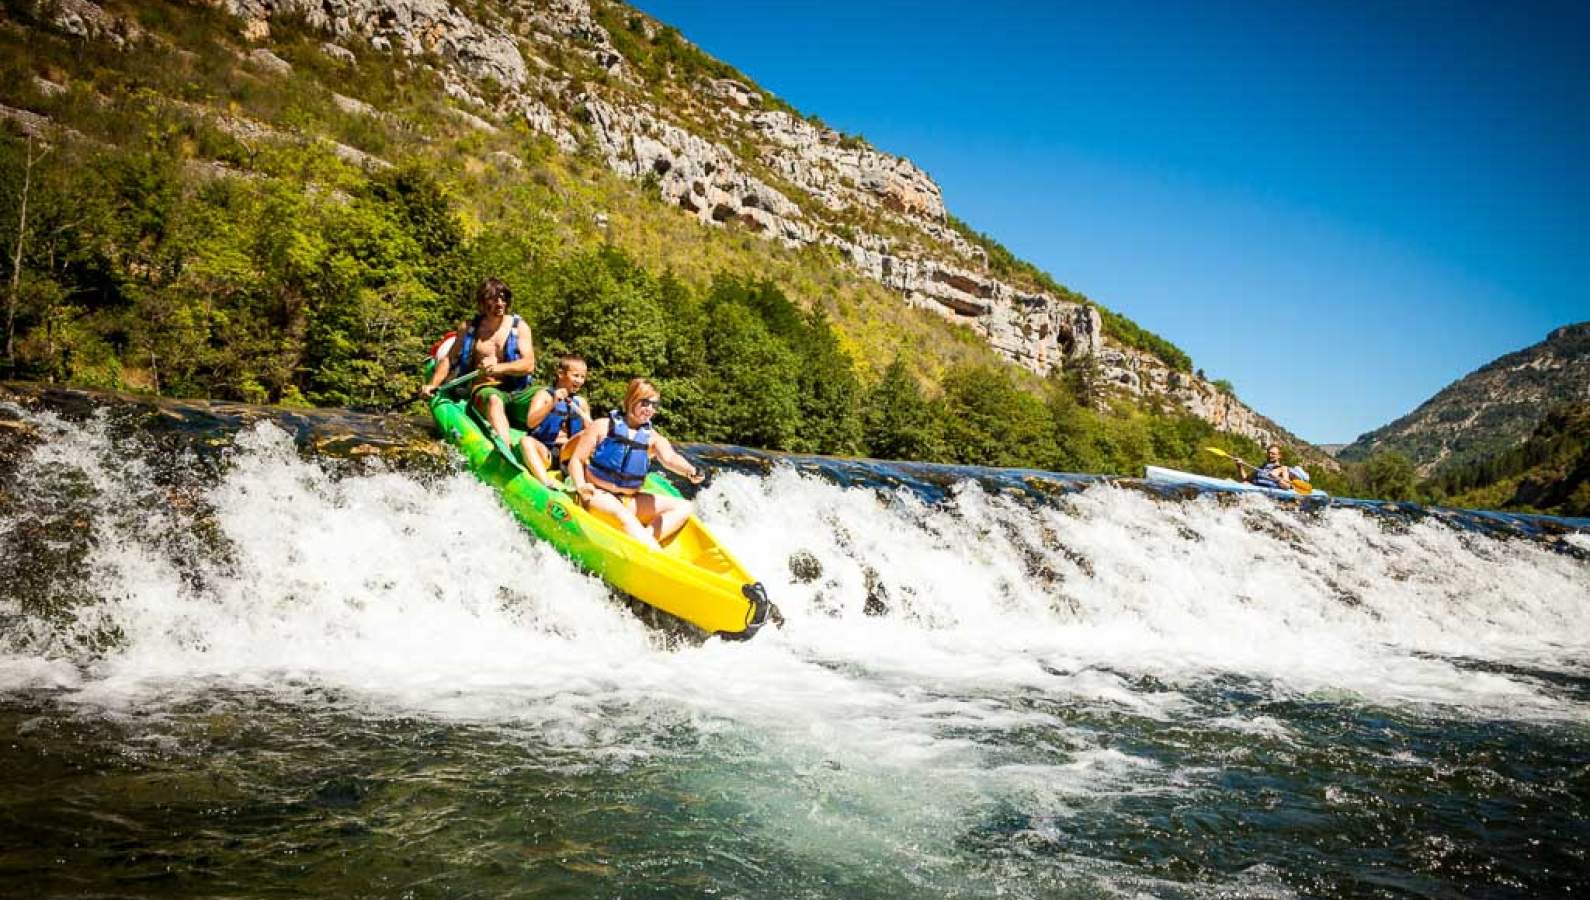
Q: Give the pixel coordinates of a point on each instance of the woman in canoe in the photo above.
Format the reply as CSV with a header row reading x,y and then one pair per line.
x,y
610,460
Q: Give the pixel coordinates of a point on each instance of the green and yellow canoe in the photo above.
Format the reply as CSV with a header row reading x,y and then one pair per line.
x,y
693,577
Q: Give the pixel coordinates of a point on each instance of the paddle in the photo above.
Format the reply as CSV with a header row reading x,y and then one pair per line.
x,y
1219,452
490,432
462,379
1298,487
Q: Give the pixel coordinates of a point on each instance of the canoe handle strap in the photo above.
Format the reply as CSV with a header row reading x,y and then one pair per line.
x,y
762,611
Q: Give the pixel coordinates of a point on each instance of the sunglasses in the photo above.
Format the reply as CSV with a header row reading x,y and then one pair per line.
x,y
649,404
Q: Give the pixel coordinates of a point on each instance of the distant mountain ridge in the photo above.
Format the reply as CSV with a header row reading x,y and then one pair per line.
x,y
1491,410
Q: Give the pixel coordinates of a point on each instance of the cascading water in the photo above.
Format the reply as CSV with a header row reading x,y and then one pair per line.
x,y
267,674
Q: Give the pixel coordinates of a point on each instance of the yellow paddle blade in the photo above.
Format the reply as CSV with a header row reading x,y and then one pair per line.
x,y
1219,452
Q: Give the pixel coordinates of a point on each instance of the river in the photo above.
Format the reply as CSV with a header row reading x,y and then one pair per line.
x,y
258,672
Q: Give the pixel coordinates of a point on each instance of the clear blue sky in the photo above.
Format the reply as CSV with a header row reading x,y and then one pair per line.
x,y
1341,209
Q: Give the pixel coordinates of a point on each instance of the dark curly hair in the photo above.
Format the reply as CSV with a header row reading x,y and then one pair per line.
x,y
494,289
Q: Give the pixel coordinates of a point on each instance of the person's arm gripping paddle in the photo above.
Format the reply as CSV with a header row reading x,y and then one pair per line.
x,y
1243,467
536,456
430,391
447,364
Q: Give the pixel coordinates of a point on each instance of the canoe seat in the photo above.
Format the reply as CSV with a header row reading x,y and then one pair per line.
x,y
713,559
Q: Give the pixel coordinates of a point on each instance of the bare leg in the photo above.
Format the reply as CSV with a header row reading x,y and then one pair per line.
x,y
611,506
496,415
535,456
499,418
665,515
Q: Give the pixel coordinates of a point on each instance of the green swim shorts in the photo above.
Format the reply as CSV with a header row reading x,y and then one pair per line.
x,y
516,403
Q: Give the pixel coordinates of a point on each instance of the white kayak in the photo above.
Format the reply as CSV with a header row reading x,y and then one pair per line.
x,y
1158,475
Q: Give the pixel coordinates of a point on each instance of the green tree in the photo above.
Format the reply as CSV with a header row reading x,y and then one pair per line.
x,y
1389,475
751,395
602,306
900,422
991,421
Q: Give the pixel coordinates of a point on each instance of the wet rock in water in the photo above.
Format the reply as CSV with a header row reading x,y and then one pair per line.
x,y
16,437
209,427
805,567
823,601
877,594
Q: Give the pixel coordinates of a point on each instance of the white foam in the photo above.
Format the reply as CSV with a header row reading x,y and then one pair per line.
x,y
425,597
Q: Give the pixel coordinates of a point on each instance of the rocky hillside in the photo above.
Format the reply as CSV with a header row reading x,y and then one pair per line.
x,y
1549,472
1490,410
602,81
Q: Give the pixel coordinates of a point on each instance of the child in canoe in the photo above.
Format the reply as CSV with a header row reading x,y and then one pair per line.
x,y
557,416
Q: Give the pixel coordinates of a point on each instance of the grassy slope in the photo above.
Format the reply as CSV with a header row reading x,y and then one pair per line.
x,y
113,94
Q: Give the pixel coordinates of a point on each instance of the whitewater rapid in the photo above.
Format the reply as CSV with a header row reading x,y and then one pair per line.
x,y
426,592
941,661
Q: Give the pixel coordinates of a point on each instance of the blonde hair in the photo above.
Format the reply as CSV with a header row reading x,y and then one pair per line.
x,y
639,389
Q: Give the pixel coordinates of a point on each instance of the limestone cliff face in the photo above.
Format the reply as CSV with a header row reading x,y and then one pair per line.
x,y
730,155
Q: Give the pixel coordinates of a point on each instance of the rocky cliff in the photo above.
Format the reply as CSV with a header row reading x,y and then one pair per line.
x,y
598,78
1490,410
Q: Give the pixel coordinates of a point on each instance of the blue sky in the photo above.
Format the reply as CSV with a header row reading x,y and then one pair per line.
x,y
1340,208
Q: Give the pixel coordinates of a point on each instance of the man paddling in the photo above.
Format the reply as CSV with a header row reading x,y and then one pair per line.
x,y
1273,474
499,345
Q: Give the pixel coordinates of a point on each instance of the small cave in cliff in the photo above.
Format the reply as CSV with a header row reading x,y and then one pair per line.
x,y
661,165
1065,339
964,284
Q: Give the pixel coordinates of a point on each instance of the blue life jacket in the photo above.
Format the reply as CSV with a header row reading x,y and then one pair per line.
x,y
1263,478
622,459
466,355
562,411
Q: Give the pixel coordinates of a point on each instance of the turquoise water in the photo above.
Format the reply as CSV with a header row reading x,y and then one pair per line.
x,y
254,673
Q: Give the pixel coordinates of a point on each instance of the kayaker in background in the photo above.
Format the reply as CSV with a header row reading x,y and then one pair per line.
x,y
1273,474
557,416
499,345
609,463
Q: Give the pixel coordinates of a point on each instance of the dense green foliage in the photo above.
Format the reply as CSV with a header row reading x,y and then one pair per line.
x,y
1388,476
1549,472
257,290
